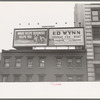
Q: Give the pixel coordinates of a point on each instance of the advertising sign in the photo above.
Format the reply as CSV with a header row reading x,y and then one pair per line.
x,y
30,38
58,37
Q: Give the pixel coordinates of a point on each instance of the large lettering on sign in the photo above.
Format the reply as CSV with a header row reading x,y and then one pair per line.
x,y
30,38
66,37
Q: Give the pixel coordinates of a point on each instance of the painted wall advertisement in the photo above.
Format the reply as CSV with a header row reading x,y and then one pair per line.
x,y
58,37
30,38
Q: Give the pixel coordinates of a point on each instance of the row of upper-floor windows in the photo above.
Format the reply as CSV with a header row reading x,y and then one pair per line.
x,y
42,78
95,17
42,60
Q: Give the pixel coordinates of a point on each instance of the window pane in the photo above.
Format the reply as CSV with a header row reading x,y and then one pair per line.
x,y
78,78
18,62
94,12
42,62
96,32
97,72
97,56
59,78
58,62
5,78
41,78
95,18
16,78
30,62
29,78
78,62
96,49
7,62
7,65
69,62
70,78
97,53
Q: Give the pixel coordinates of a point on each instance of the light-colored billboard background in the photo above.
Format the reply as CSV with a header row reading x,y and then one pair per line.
x,y
71,36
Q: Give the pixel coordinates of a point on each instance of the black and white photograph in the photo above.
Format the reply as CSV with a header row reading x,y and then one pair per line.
x,y
50,43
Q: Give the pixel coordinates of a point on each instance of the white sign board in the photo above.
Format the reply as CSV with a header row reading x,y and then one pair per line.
x,y
71,36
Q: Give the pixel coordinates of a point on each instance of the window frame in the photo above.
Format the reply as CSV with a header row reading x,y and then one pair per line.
x,y
19,75
79,76
96,34
39,77
17,62
7,62
98,16
27,76
96,65
59,64
69,79
6,77
80,64
42,63
95,53
61,76
69,65
28,62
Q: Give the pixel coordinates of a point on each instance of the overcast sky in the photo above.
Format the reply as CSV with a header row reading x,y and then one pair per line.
x,y
45,13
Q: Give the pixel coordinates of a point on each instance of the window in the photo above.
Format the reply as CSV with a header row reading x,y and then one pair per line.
x,y
58,78
41,77
29,62
4,78
97,72
70,78
58,62
97,53
42,62
29,78
69,62
78,62
78,77
18,62
17,78
95,14
6,62
96,32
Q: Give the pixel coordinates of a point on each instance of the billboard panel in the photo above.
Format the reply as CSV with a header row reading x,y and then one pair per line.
x,y
30,37
65,37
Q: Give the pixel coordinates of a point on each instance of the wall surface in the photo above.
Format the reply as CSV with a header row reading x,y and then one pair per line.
x,y
50,70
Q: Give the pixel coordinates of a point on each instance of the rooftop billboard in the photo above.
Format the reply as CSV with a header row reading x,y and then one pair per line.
x,y
48,37
35,37
66,37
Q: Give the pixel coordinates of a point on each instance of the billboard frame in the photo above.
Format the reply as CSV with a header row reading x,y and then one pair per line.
x,y
47,36
68,28
28,30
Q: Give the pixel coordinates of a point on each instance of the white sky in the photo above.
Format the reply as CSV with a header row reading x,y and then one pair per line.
x,y
45,13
